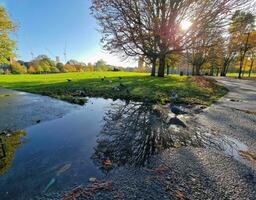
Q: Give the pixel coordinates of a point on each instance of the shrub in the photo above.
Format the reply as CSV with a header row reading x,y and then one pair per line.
x,y
17,68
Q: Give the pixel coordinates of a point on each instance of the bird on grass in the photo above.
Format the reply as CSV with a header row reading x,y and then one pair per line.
x,y
173,95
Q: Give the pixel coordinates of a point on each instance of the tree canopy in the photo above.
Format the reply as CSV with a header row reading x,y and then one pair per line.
x,y
6,44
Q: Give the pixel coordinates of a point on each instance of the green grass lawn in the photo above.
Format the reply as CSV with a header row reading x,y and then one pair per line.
x,y
123,85
253,75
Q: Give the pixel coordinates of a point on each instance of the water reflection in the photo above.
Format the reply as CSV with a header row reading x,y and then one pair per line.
x,y
133,132
8,146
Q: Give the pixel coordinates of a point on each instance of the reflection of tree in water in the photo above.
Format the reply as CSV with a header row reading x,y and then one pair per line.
x,y
135,131
8,146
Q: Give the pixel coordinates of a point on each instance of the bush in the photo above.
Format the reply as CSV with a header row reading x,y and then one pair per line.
x,y
17,68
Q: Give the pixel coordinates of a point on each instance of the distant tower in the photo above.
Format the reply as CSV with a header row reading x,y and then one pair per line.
x,y
65,52
57,59
141,63
32,55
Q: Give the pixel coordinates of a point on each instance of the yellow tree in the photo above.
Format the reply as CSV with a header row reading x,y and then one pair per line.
x,y
6,44
241,28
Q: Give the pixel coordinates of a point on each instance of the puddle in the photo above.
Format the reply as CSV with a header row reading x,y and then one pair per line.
x,y
89,142
93,141
226,144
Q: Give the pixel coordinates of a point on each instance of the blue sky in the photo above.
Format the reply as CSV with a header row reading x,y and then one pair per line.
x,y
46,25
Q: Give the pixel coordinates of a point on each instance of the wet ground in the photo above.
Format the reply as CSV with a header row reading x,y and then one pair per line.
x,y
134,150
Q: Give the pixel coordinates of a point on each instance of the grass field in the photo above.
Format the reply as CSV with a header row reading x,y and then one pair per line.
x,y
253,75
123,85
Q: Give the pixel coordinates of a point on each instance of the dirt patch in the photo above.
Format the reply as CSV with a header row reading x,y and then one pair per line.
x,y
204,82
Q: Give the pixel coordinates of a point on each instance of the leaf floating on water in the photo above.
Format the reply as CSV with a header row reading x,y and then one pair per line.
x,y
180,195
107,163
63,169
248,155
52,181
92,179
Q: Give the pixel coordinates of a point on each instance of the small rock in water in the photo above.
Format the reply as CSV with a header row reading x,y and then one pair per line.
x,y
63,169
38,121
177,110
92,179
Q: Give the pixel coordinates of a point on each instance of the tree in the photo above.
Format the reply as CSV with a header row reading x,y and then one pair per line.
x,y
101,65
252,59
242,25
151,28
6,44
31,69
60,67
17,68
228,56
44,64
171,61
89,67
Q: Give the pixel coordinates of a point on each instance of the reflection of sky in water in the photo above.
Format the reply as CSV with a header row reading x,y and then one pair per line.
x,y
59,149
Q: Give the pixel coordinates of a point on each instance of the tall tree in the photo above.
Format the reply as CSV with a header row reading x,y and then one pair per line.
x,y
6,44
242,25
152,28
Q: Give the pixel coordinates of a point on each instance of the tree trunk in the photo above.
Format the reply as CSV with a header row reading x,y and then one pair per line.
x,y
153,72
251,67
193,70
241,66
242,56
217,73
211,71
161,66
168,70
198,70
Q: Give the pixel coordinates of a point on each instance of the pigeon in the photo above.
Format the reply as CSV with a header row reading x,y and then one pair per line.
x,y
174,95
177,110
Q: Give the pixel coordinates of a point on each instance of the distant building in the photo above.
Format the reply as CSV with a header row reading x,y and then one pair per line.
x,y
141,63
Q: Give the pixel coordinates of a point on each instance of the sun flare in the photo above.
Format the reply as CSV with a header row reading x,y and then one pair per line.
x,y
185,25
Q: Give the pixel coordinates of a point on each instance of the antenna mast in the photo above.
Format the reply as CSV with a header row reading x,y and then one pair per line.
x,y
65,52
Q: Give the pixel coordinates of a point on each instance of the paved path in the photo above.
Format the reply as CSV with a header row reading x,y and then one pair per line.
x,y
19,110
235,114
